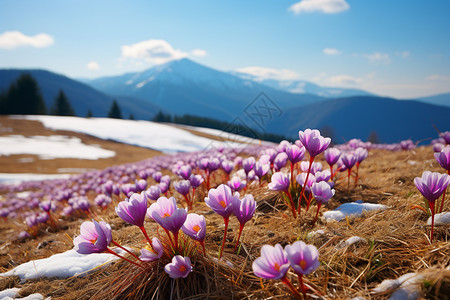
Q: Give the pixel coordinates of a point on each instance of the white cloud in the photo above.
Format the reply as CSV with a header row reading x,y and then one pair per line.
x,y
152,51
345,80
378,57
268,73
198,52
331,51
324,6
438,77
93,65
403,54
14,39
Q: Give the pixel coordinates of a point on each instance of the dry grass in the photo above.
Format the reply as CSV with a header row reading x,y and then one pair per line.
x,y
395,243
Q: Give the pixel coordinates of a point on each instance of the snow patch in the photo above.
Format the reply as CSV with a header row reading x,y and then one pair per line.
x,y
50,147
350,241
440,219
61,265
147,134
353,209
16,178
407,287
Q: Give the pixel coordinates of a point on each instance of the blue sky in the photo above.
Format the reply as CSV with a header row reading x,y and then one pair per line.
x,y
395,48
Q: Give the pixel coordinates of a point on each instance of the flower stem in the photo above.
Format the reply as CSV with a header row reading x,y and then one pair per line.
x,y
319,204
146,236
203,246
120,256
302,285
286,281
225,219
123,248
442,203
241,227
331,171
311,159
357,173
294,212
189,204
432,220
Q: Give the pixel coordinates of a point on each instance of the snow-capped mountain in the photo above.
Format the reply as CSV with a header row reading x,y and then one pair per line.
x,y
185,87
304,87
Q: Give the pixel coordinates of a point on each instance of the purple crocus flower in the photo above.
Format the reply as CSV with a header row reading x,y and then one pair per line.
x,y
166,179
46,205
153,192
157,176
42,218
248,164
94,237
446,136
213,164
227,166
332,155
295,153
102,200
432,186
236,184
301,178
182,186
221,200
315,167
133,209
196,180
279,182
164,187
349,160
323,176
166,214
261,169
128,189
185,172
244,208
141,185
361,154
443,158
280,161
303,258
313,142
195,227
272,264
152,253
179,267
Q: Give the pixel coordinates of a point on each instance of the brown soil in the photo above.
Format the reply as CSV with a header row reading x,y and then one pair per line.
x,y
396,240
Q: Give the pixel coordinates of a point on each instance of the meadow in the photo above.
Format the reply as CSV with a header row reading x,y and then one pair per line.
x,y
380,248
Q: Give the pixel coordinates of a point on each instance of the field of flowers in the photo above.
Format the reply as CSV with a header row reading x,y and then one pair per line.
x,y
302,220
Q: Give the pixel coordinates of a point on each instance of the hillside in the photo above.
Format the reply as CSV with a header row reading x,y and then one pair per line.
x,y
345,118
358,255
82,96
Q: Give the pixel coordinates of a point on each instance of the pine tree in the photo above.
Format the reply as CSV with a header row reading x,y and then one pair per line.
x,y
89,114
61,106
114,111
131,117
24,97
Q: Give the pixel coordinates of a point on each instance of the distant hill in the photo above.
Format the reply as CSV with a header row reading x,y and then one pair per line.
x,y
81,96
441,99
304,87
185,87
346,118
